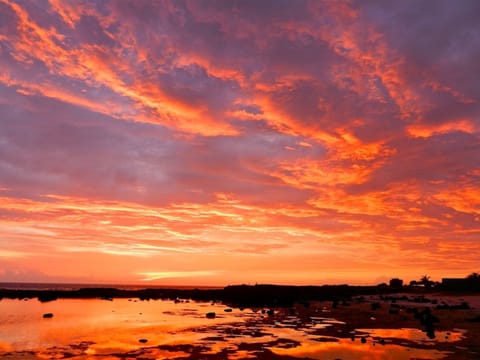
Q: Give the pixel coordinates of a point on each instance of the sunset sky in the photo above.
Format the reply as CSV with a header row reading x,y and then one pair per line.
x,y
224,142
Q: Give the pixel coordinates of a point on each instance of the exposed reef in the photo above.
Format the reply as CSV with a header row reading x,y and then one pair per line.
x,y
234,295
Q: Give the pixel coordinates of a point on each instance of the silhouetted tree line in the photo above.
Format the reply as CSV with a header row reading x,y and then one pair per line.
x,y
470,283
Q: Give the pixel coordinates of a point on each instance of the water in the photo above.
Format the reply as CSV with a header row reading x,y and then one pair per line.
x,y
73,287
100,329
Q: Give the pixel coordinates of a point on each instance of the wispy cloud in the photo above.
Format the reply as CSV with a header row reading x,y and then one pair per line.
x,y
220,135
160,275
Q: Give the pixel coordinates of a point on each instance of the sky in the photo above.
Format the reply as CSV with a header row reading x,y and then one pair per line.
x,y
225,142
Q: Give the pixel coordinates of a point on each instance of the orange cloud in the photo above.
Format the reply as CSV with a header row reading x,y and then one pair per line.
x,y
465,199
425,131
97,67
296,141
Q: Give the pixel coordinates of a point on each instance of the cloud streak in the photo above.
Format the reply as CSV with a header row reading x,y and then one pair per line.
x,y
239,137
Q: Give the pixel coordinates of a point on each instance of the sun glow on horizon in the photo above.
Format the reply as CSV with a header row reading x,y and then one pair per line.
x,y
150,276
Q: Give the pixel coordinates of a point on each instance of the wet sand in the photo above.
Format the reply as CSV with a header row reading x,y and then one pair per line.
x,y
359,315
364,327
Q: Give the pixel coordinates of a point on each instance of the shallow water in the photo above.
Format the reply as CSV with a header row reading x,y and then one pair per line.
x,y
100,329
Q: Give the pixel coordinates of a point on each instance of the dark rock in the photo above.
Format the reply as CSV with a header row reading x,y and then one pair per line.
x,y
47,297
48,316
464,306
306,304
143,341
228,310
428,320
210,315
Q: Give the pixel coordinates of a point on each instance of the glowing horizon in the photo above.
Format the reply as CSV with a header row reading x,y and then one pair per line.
x,y
225,142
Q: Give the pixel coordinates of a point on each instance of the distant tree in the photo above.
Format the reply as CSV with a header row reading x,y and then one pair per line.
x,y
474,276
396,283
425,280
474,281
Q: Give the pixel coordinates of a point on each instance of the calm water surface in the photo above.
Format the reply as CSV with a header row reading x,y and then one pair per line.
x,y
100,329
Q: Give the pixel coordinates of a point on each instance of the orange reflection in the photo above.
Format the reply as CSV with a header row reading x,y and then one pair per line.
x,y
109,325
96,327
414,334
348,350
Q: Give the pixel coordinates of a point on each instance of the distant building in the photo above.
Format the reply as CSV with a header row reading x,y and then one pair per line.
x,y
461,284
415,283
396,283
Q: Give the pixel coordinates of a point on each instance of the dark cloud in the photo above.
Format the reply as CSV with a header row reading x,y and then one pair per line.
x,y
439,42
446,157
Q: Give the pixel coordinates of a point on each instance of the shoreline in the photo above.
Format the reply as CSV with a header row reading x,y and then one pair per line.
x,y
234,295
385,317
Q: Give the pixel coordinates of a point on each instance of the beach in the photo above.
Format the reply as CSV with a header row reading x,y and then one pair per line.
x,y
383,326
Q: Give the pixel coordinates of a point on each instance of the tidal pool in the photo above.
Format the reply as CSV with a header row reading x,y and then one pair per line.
x,y
130,328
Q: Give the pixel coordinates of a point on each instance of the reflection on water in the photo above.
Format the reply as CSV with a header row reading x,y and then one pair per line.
x,y
82,329
346,350
414,335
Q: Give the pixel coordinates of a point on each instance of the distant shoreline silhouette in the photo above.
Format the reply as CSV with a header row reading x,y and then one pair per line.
x,y
240,295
